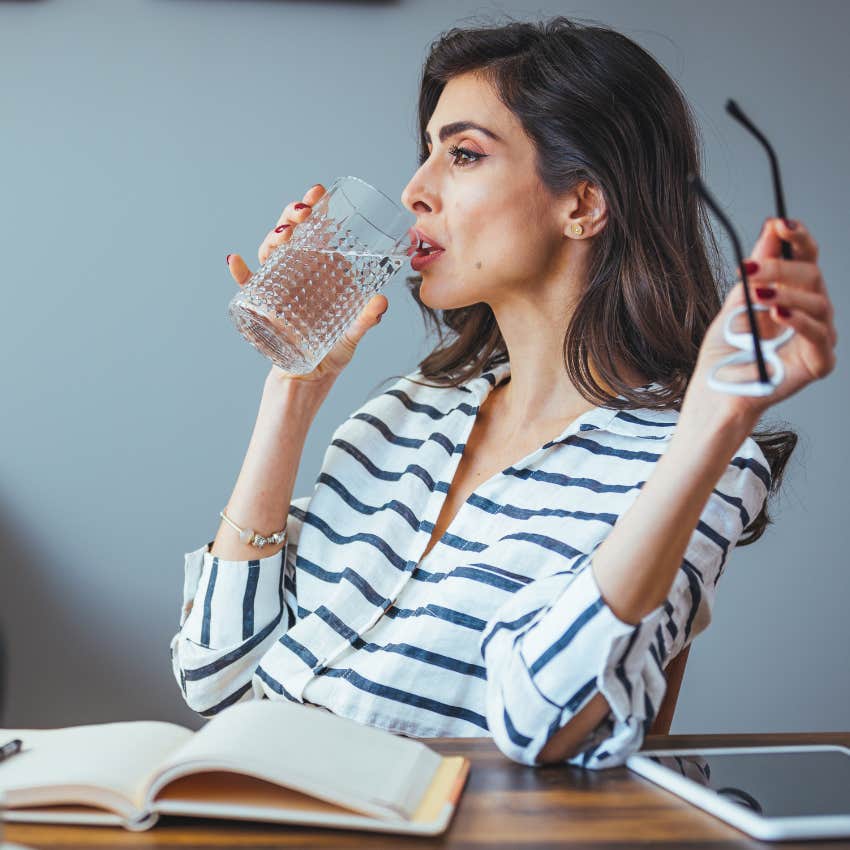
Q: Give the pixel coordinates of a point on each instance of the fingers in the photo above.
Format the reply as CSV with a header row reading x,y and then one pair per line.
x,y
240,272
803,246
376,307
820,358
274,239
815,304
292,216
369,316
801,274
798,284
282,231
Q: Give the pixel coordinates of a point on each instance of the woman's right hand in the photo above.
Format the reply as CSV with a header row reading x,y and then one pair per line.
x,y
327,371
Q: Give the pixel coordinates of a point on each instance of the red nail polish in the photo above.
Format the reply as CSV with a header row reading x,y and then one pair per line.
x,y
790,223
763,292
302,206
281,228
784,312
227,259
750,266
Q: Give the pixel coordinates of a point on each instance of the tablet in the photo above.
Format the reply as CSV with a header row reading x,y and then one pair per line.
x,y
771,793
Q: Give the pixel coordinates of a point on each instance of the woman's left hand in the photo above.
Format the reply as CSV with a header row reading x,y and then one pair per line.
x,y
799,287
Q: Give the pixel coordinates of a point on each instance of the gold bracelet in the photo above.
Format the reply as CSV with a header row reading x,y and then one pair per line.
x,y
248,535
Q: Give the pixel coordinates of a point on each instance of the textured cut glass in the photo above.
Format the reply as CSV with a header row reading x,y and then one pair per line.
x,y
310,290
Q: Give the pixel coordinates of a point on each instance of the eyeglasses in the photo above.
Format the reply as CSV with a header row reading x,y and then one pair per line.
x,y
731,374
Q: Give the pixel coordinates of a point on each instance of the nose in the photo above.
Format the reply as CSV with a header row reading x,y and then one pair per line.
x,y
418,197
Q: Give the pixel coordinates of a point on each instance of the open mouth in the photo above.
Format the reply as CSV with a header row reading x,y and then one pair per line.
x,y
422,258
423,250
420,246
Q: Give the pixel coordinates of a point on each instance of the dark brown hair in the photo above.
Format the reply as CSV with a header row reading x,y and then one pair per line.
x,y
598,107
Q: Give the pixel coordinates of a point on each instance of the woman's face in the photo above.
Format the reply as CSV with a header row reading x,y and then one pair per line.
x,y
502,232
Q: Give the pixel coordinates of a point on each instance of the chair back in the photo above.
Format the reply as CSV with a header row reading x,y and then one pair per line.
x,y
674,673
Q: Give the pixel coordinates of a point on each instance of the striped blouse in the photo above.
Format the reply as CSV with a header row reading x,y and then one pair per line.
x,y
501,629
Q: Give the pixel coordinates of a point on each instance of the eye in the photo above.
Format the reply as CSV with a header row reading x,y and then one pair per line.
x,y
455,151
472,156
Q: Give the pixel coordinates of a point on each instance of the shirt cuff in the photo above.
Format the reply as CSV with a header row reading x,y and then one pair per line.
x,y
599,644
226,602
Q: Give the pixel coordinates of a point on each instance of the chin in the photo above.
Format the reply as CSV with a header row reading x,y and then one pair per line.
x,y
444,294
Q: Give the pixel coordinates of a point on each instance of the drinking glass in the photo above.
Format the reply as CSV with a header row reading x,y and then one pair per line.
x,y
310,289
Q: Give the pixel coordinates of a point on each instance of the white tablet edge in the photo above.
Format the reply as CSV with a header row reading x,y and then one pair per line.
x,y
758,826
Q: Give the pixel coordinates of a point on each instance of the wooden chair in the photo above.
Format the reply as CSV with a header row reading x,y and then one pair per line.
x,y
674,673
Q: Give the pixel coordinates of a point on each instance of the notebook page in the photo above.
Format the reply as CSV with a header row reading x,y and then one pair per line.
x,y
315,751
116,756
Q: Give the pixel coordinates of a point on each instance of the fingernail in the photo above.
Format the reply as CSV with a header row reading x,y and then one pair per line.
x,y
302,206
281,228
784,312
750,266
227,259
763,292
790,223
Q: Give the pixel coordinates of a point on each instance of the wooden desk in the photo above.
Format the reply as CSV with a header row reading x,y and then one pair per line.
x,y
505,805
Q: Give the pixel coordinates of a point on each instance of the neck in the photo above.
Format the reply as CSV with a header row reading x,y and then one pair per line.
x,y
533,401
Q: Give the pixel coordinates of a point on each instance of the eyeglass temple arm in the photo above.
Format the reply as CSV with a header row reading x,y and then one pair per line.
x,y
697,184
738,114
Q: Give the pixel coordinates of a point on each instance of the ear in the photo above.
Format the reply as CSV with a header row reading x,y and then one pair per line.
x,y
585,206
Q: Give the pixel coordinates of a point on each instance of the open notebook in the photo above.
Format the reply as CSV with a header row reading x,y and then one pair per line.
x,y
262,760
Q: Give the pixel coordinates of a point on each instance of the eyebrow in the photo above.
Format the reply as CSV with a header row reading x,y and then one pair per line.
x,y
458,127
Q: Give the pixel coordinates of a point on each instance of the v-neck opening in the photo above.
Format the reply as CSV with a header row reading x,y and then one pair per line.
x,y
481,387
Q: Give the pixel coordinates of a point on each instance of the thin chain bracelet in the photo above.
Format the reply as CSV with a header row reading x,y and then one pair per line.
x,y
248,535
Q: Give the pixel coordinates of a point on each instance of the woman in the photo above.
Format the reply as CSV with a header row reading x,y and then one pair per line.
x,y
515,539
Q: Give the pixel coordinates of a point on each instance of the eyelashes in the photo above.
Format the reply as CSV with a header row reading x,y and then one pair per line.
x,y
455,152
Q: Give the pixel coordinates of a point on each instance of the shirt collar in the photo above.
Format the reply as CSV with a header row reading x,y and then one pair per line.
x,y
645,422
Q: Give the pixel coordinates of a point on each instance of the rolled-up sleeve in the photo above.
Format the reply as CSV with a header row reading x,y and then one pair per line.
x,y
556,644
231,613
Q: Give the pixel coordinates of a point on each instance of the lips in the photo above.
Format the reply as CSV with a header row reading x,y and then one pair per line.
x,y
421,260
418,240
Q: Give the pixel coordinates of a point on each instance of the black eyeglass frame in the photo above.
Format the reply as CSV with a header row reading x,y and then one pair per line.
x,y
694,181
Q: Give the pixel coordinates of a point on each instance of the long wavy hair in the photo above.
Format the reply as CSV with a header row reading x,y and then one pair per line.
x,y
598,107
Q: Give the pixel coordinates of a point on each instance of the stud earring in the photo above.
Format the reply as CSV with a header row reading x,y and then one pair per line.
x,y
578,229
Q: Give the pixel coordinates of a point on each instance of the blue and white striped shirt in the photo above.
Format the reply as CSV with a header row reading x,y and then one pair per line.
x,y
501,630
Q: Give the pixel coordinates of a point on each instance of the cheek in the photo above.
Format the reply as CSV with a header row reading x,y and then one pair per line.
x,y
495,233
491,235
511,249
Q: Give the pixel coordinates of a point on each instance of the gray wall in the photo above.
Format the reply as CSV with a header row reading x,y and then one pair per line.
x,y
143,140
